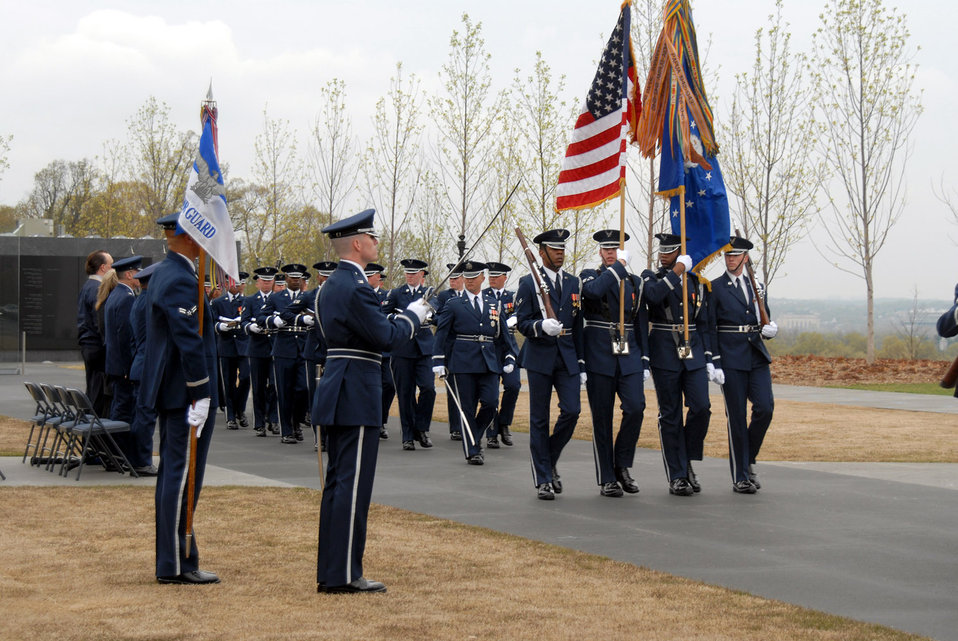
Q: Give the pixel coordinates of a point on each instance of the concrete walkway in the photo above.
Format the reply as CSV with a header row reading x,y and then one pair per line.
x,y
875,542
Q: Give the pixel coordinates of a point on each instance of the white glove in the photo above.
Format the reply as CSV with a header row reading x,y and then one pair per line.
x,y
196,415
685,260
507,368
623,255
278,322
511,322
715,374
222,327
309,321
646,376
583,377
770,330
439,370
551,326
256,329
420,308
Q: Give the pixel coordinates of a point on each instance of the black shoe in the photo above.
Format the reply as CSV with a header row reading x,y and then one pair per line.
x,y
611,489
694,480
556,481
146,470
743,487
298,434
289,440
492,443
243,421
196,577
455,436
626,481
231,425
272,428
362,584
681,487
383,434
475,459
322,446
423,438
753,477
260,431
505,435
409,445
546,492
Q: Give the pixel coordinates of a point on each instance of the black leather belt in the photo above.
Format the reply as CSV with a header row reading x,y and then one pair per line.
x,y
738,329
665,327
355,354
475,338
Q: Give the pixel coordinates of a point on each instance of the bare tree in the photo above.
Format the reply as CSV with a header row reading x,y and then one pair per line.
x,y
865,98
277,173
393,162
4,150
947,197
465,122
911,328
769,153
330,154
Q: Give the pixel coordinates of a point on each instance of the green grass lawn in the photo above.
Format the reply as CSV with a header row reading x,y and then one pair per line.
x,y
910,388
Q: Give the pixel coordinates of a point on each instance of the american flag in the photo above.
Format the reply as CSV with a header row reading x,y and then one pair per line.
x,y
593,169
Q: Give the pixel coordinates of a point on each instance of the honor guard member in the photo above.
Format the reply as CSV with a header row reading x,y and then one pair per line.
x,y
179,380
259,349
412,363
615,364
741,364
89,337
375,273
948,325
348,400
231,345
119,339
552,357
144,419
511,383
679,370
288,364
456,288
470,330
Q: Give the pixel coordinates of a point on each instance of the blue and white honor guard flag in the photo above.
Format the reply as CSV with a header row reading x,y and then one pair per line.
x,y
204,215
707,226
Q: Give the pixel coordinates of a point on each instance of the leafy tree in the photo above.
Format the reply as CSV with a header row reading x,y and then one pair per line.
x,y
330,154
276,172
865,98
4,150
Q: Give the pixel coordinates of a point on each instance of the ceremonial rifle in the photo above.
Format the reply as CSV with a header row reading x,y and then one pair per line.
x,y
537,275
763,316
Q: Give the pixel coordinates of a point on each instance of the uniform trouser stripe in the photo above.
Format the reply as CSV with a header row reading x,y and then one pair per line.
x,y
352,507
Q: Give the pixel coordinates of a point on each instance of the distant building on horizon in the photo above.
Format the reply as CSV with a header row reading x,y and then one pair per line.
x,y
799,322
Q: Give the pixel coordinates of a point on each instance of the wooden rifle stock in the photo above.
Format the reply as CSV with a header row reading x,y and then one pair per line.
x,y
763,315
951,376
534,268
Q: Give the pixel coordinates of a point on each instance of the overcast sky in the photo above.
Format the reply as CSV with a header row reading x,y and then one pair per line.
x,y
73,72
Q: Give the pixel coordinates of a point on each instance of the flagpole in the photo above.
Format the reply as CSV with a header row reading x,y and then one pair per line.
x,y
684,350
623,339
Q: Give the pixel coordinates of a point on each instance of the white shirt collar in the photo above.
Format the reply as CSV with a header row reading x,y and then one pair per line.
x,y
358,266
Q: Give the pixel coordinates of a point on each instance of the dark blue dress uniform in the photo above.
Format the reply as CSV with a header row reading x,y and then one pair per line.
x,y
443,297
474,339
610,374
412,369
301,313
511,382
348,403
550,362
948,323
741,354
259,350
119,349
288,363
231,346
180,368
679,382
144,419
92,347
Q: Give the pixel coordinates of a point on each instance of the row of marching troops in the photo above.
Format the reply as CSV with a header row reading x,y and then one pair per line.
x,y
272,342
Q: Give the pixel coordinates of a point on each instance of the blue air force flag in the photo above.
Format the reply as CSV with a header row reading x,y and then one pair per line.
x,y
707,225
204,215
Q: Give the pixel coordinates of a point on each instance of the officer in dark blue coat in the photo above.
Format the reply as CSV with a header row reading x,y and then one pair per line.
x,y
144,419
118,336
680,381
89,337
412,363
259,350
552,356
456,288
948,324
180,381
511,382
288,363
349,400
376,274
611,369
741,364
470,330
231,345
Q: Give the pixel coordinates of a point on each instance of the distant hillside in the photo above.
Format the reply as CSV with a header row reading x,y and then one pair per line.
x,y
829,316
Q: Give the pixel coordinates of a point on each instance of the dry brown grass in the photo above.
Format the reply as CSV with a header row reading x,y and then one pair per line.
x,y
86,572
799,431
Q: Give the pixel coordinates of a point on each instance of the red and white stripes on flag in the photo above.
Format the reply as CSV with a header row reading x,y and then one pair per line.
x,y
593,169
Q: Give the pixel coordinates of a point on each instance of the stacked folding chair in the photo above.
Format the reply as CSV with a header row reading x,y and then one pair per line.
x,y
92,435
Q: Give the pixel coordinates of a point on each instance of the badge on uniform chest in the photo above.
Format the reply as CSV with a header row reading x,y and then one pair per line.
x,y
493,316
576,302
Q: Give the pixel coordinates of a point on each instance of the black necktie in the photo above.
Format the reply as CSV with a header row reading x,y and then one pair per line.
x,y
741,288
475,303
558,285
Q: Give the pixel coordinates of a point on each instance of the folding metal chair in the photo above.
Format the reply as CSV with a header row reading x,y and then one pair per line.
x,y
38,422
55,423
91,431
